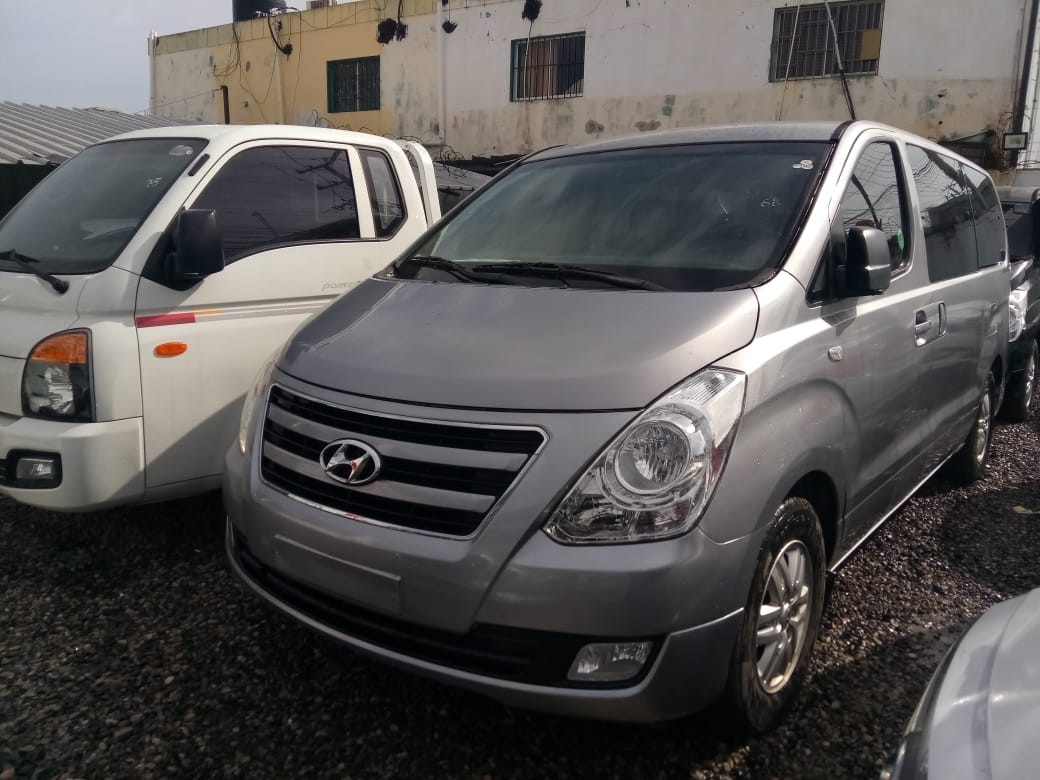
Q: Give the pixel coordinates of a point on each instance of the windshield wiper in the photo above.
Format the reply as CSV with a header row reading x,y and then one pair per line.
x,y
564,272
26,264
457,270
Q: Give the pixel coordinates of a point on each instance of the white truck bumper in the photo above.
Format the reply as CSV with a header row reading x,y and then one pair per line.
x,y
96,465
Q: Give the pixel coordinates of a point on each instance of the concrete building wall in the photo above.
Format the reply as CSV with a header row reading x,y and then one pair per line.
x,y
946,70
264,85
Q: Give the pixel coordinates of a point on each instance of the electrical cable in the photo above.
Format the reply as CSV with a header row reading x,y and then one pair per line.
x,y
174,102
259,103
526,109
234,55
837,58
790,56
287,49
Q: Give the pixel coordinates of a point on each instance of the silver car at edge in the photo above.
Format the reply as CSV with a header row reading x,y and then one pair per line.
x,y
979,716
591,445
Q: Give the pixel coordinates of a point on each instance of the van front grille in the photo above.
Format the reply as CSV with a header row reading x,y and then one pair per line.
x,y
435,477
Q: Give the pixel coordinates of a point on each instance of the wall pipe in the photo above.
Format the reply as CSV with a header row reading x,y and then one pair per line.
x,y
1027,66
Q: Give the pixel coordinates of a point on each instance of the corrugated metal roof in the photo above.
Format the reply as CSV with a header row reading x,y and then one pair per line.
x,y
41,134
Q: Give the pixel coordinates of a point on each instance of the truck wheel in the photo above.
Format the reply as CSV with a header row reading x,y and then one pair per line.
x,y
969,464
781,620
1019,400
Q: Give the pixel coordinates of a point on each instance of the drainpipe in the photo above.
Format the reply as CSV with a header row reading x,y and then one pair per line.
x,y
153,98
1027,68
443,86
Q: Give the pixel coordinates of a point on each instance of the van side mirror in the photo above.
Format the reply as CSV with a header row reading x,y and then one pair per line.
x,y
198,248
868,266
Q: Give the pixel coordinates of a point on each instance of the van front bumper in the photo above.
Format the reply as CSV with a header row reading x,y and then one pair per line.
x,y
516,640
99,464
686,672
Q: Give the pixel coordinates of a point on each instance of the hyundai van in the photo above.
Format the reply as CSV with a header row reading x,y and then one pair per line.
x,y
592,444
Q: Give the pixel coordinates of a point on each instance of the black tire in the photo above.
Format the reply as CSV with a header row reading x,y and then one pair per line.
x,y
1018,402
969,464
755,705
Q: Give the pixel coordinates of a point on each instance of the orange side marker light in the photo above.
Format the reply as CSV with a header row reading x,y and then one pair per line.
x,y
171,349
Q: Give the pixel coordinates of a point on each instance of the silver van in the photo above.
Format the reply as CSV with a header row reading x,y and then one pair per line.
x,y
593,442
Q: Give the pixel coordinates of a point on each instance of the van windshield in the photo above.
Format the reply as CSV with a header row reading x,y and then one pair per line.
x,y
79,218
694,218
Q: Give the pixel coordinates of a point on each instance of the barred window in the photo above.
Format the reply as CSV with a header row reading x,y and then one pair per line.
x,y
353,85
803,43
552,66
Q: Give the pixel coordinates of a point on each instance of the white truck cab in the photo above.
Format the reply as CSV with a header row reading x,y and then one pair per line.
x,y
144,283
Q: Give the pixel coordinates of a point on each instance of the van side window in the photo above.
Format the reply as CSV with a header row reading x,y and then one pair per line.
x,y
384,192
949,235
990,232
282,195
875,198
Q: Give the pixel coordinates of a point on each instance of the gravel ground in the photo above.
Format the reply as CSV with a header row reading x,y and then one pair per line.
x,y
127,649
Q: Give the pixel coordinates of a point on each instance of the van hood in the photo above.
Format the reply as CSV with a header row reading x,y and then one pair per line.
x,y
30,310
533,348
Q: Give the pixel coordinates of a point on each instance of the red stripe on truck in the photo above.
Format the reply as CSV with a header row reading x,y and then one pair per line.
x,y
157,320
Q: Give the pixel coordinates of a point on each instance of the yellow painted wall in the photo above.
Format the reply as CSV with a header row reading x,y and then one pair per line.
x,y
266,86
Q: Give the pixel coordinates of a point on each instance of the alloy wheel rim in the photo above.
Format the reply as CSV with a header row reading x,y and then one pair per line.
x,y
982,429
1030,377
783,616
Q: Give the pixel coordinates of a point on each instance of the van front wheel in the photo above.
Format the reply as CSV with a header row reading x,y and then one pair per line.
x,y
781,620
970,462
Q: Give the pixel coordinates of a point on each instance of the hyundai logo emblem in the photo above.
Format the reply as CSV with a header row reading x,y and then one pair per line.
x,y
350,462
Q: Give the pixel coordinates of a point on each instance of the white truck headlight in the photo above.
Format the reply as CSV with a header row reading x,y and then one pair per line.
x,y
56,382
1018,302
654,480
249,405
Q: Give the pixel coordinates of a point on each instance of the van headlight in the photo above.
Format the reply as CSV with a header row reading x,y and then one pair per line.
x,y
253,396
1018,302
56,382
654,480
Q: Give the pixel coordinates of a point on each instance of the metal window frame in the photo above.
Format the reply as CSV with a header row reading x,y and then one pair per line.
x,y
519,88
352,66
813,54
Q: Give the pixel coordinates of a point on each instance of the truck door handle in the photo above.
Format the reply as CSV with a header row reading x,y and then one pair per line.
x,y
921,323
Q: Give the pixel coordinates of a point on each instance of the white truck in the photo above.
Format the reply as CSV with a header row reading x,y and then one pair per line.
x,y
146,280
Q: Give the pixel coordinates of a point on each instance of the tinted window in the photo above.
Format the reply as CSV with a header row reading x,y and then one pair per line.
x,y
387,208
695,217
282,194
1019,219
874,198
990,233
949,235
80,217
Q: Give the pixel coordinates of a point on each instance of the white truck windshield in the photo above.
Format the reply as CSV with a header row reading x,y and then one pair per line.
x,y
79,218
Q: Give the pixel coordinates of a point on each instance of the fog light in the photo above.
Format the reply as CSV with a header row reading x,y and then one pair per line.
x,y
36,469
609,661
